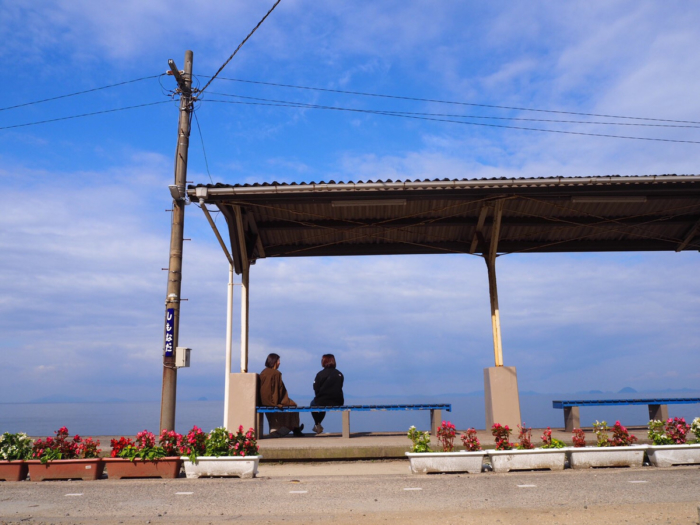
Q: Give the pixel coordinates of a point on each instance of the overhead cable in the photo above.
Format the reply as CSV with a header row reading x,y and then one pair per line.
x,y
304,104
395,114
418,99
239,46
79,92
204,151
86,114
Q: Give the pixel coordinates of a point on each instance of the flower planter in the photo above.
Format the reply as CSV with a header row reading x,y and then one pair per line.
x,y
13,470
118,468
226,466
537,458
85,469
423,463
587,457
668,455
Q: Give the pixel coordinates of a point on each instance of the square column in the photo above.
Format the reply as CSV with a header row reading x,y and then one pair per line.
x,y
501,396
658,412
572,418
243,395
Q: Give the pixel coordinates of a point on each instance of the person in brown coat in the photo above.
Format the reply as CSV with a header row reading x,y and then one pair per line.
x,y
273,393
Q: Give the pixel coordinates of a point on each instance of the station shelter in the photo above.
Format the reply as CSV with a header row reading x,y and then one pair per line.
x,y
488,218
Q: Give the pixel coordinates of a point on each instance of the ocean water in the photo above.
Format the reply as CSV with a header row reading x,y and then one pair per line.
x,y
107,419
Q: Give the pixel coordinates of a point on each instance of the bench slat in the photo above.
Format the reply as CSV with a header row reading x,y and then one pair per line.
x,y
354,408
612,402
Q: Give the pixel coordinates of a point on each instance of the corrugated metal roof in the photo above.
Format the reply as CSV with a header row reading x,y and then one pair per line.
x,y
544,214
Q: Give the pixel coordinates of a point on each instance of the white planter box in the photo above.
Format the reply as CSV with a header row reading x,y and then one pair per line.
x,y
667,455
587,457
207,466
423,463
536,458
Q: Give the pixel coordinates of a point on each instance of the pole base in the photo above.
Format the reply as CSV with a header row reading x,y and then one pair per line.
x,y
501,396
243,394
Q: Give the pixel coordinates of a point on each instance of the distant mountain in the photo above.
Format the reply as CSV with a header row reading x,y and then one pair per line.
x,y
627,390
59,398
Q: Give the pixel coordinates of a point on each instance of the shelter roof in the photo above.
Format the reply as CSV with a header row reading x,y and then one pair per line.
x,y
546,214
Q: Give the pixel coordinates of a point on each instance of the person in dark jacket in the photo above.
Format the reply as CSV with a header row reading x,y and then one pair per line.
x,y
328,387
273,393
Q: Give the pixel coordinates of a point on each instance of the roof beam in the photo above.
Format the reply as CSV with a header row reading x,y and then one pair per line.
x,y
689,236
504,246
338,224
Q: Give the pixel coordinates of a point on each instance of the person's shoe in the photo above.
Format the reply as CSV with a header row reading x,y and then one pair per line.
x,y
318,429
298,431
274,434
283,431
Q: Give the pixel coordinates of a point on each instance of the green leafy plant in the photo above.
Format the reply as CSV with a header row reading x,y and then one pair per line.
x,y
579,438
194,444
421,440
171,442
220,442
246,444
501,434
446,436
470,440
601,430
695,428
15,447
144,448
672,432
549,442
525,438
620,438
61,447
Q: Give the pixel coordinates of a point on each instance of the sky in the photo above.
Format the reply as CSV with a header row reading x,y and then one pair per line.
x,y
84,231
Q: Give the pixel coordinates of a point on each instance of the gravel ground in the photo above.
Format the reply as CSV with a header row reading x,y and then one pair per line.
x,y
366,492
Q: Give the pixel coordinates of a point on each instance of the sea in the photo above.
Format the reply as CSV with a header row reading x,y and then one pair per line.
x,y
468,410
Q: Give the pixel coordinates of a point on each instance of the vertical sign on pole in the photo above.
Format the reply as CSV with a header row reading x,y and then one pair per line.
x,y
169,332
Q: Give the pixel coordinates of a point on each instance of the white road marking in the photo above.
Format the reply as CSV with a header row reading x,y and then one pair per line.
x,y
77,494
526,486
183,493
413,488
298,491
641,481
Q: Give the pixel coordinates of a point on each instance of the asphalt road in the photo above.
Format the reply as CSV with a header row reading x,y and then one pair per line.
x,y
366,492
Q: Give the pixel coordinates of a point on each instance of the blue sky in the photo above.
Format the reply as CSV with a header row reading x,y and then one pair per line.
x,y
84,235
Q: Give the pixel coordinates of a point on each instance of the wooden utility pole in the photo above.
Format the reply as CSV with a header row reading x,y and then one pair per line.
x,y
172,299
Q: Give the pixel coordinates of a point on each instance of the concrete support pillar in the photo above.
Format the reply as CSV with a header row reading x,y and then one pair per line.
x,y
501,396
572,419
435,421
346,424
243,395
229,342
658,412
245,310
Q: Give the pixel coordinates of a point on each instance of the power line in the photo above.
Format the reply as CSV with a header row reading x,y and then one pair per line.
x,y
201,138
303,104
393,114
79,92
239,46
417,99
86,114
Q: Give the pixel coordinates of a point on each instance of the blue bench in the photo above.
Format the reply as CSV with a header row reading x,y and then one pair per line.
x,y
435,413
658,407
